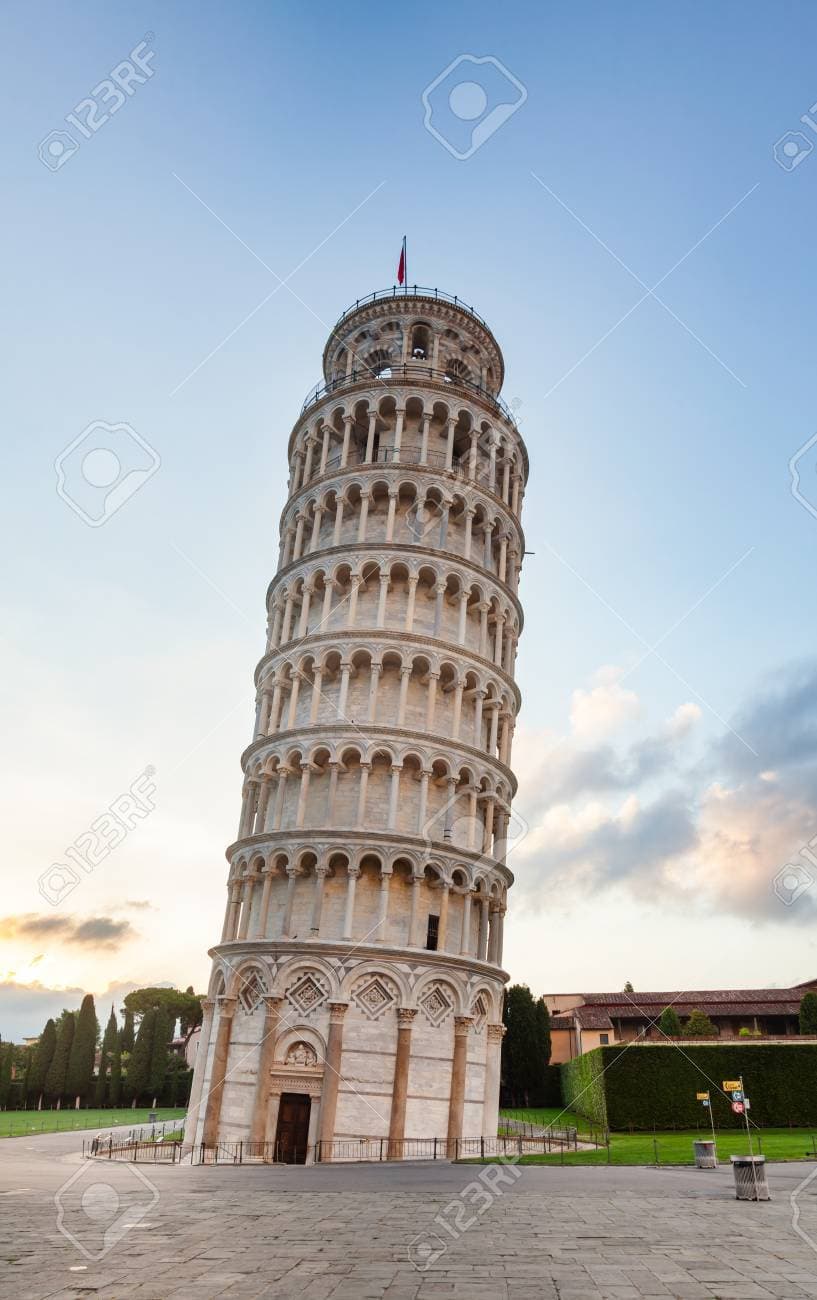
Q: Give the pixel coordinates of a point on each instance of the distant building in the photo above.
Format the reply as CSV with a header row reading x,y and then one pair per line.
x,y
582,1021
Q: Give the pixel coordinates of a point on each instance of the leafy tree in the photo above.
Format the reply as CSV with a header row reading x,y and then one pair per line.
x,y
526,1047
699,1026
139,1070
808,1014
109,1043
162,1030
628,988
57,1070
6,1063
670,1023
127,1038
40,1061
115,1082
80,1075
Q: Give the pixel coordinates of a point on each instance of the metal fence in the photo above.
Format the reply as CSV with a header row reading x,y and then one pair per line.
x,y
407,373
159,1152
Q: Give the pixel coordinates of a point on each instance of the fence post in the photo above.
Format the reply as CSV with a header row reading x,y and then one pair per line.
x,y
241,1153
456,1148
655,1149
435,1148
482,1147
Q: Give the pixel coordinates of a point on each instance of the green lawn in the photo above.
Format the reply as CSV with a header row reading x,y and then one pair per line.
x,y
669,1148
22,1123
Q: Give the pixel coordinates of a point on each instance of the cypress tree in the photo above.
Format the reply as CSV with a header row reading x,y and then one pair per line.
x,y
808,1014
109,1042
162,1030
543,1034
128,1037
115,1084
670,1023
57,1070
522,1049
139,1071
6,1062
41,1059
80,1076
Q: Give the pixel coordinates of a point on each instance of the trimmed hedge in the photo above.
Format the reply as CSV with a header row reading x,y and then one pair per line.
x,y
648,1085
583,1086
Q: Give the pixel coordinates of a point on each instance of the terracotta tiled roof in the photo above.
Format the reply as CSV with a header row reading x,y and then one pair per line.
x,y
592,1018
713,1002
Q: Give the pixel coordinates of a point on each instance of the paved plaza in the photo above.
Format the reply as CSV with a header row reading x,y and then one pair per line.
x,y
349,1233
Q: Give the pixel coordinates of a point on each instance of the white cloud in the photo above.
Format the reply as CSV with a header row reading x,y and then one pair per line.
x,y
604,708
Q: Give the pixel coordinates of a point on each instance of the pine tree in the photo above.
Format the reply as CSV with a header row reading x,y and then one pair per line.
x,y
128,1037
670,1023
628,988
139,1071
808,1014
543,1030
158,1056
699,1026
41,1060
115,1083
80,1076
57,1070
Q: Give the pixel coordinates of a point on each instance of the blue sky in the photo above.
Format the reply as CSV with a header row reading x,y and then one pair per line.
x,y
660,436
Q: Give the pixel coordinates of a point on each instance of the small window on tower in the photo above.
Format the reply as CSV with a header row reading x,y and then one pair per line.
x,y
433,933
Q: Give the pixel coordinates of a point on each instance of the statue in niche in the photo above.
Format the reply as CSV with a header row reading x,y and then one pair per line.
x,y
301,1054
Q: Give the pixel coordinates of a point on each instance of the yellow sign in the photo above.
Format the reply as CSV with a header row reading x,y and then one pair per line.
x,y
730,1085
702,1096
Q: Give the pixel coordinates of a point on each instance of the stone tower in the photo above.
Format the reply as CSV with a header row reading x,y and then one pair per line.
x,y
357,987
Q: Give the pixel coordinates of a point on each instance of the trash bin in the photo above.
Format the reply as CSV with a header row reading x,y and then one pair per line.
x,y
705,1157
152,1117
750,1178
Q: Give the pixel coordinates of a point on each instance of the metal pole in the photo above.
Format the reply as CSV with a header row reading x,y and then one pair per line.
x,y
712,1122
749,1135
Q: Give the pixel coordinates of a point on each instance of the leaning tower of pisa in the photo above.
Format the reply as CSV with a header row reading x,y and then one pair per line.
x,y
357,986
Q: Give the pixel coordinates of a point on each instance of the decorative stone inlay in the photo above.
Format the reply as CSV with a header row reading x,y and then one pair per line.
x,y
480,1013
251,992
308,993
436,1005
301,1054
374,996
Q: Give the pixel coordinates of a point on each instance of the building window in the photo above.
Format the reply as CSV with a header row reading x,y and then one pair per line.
x,y
604,1039
433,932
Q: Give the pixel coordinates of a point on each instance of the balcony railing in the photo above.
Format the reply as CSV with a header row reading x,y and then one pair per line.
x,y
411,291
409,372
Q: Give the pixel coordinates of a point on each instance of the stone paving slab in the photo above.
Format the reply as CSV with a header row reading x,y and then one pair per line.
x,y
394,1233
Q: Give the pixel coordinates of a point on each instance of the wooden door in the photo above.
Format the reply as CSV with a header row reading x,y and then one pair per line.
x,y
293,1128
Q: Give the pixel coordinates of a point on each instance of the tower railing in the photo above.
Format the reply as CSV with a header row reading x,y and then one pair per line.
x,y
408,372
412,291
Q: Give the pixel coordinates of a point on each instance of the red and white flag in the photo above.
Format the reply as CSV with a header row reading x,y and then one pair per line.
x,y
401,265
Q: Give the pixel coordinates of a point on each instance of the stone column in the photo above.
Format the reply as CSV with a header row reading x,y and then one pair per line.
x,y
349,912
412,594
331,1075
361,797
465,932
317,900
490,1100
260,931
442,928
218,1073
383,909
414,918
456,1102
266,1055
405,674
286,927
194,1105
397,1119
